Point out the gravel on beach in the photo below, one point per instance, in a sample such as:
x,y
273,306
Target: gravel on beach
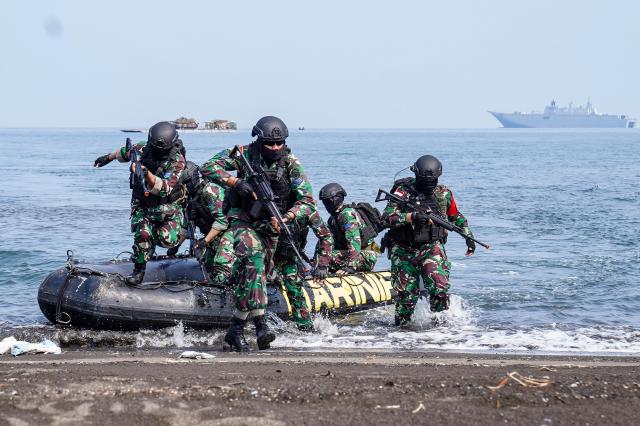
x,y
351,387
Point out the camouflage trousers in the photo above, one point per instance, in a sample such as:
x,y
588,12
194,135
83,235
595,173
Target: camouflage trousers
x,y
160,225
254,251
408,264
219,257
365,263
292,280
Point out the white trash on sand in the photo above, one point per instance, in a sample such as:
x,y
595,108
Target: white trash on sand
x,y
18,347
196,355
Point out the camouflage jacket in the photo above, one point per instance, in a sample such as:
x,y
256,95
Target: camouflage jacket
x,y
345,227
217,170
325,239
171,170
395,217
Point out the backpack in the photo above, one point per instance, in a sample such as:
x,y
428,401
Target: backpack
x,y
372,220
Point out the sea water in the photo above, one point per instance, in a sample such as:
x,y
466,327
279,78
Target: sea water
x,y
559,207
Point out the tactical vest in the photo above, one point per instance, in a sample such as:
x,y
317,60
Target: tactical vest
x,y
420,234
284,249
279,180
157,168
299,233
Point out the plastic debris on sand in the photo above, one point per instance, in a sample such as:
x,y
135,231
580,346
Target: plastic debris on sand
x,y
18,347
196,355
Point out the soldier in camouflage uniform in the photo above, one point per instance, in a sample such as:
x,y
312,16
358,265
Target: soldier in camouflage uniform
x,y
287,266
205,210
157,216
417,244
255,234
353,250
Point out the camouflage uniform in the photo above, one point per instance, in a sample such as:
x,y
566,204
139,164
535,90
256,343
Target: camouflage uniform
x,y
410,261
206,211
351,252
159,224
255,241
288,269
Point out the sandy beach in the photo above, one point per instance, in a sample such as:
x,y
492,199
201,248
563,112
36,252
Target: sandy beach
x,y
354,387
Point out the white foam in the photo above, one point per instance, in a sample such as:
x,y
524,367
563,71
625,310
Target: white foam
x,y
176,337
456,330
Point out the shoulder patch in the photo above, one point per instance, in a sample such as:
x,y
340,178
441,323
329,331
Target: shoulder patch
x,y
297,181
349,226
167,175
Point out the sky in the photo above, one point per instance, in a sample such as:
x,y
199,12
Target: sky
x,y
323,64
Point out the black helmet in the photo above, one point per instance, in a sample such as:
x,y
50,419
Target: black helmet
x,y
270,128
427,169
427,166
332,196
191,177
330,190
162,137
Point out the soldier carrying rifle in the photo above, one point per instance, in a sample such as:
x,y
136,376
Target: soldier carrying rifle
x,y
157,194
270,190
419,212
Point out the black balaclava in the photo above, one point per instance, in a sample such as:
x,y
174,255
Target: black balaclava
x,y
426,185
271,155
427,169
333,204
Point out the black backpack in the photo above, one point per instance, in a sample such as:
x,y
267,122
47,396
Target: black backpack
x,y
372,220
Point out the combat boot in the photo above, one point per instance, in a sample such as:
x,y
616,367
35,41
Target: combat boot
x,y
137,275
235,336
263,335
306,327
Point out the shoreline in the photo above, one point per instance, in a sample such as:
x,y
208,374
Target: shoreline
x,y
281,387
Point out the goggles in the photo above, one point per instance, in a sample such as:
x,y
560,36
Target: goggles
x,y
273,142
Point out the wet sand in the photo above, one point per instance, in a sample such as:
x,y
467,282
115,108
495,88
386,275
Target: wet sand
x,y
353,387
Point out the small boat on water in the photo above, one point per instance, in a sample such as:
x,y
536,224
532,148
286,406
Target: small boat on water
x,y
95,295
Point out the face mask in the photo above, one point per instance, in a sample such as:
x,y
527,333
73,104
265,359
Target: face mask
x,y
272,155
333,204
426,185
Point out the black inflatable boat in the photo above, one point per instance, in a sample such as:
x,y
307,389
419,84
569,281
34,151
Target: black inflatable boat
x,y
95,295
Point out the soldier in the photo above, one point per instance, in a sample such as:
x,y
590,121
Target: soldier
x,y
255,234
205,210
417,244
353,240
156,215
287,265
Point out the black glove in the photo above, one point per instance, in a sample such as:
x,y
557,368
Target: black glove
x,y
321,272
244,188
103,160
200,245
419,218
471,246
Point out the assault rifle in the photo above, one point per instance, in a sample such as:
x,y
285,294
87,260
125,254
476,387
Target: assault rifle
x,y
438,220
138,174
258,180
